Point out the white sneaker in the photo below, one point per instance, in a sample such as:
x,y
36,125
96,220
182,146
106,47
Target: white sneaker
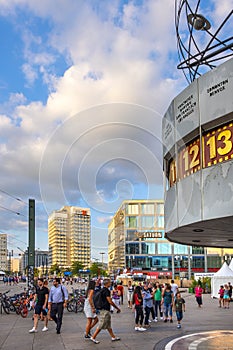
x,y
149,321
161,318
136,328
33,330
94,340
141,329
44,329
155,320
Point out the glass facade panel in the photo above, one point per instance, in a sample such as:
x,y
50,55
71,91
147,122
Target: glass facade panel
x,y
213,261
131,236
197,262
164,248
160,209
180,249
148,248
160,221
143,262
197,250
148,221
132,248
162,262
148,209
131,221
132,209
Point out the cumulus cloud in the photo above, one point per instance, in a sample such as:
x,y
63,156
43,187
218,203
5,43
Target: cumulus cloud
x,y
96,140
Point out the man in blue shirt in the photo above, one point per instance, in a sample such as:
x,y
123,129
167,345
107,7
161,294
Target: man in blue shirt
x,y
148,304
58,297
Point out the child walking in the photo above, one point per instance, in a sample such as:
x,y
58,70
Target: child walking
x,y
179,308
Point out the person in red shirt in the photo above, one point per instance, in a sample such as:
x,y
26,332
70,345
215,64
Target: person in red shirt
x,y
121,291
138,305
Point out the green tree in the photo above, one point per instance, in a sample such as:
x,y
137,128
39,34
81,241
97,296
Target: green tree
x,y
75,267
55,268
97,270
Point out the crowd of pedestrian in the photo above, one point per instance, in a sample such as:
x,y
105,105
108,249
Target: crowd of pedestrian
x,y
149,302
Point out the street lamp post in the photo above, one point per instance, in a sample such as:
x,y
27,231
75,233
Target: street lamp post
x,y
102,253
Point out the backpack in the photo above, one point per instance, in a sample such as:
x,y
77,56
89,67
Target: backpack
x,y
98,300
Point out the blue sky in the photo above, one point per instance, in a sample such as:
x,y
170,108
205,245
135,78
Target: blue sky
x,y
84,86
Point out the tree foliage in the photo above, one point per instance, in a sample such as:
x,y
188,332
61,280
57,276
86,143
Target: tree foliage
x,y
96,269
75,267
55,268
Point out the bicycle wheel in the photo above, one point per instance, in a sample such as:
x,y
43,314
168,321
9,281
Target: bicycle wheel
x,y
70,306
17,310
80,307
24,312
6,308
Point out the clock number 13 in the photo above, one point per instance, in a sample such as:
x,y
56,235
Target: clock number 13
x,y
224,137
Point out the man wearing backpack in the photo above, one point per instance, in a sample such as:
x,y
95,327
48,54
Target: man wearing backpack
x,y
105,315
58,297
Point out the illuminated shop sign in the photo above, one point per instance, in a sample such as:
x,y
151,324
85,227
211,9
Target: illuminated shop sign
x,y
217,147
149,234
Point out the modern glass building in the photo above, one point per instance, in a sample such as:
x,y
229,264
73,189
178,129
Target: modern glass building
x,y
136,242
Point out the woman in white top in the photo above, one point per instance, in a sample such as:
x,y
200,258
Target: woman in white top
x,y
89,309
130,294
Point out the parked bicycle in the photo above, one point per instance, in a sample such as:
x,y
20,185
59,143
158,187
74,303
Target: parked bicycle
x,y
76,301
5,305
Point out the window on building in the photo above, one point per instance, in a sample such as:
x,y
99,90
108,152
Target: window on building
x,y
159,209
131,221
198,262
132,209
160,221
197,250
214,261
164,248
147,221
180,249
132,248
148,208
131,235
148,248
162,262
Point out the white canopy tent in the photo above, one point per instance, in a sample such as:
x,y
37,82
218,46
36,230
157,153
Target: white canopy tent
x,y
231,264
221,277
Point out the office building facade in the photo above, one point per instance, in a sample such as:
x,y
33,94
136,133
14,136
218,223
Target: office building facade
x,y
136,242
3,252
69,231
41,261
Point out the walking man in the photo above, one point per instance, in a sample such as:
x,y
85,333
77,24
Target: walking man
x,y
58,297
40,304
105,315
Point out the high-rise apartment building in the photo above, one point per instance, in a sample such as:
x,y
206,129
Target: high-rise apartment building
x,y
3,252
136,242
69,231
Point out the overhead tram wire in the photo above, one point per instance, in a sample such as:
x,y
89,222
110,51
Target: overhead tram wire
x,y
12,211
10,195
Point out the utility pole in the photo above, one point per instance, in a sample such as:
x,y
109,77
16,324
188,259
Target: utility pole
x,y
102,253
31,243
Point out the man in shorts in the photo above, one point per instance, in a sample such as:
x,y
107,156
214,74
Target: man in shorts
x,y
40,304
105,315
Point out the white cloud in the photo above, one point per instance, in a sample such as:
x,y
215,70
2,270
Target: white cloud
x,y
97,137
